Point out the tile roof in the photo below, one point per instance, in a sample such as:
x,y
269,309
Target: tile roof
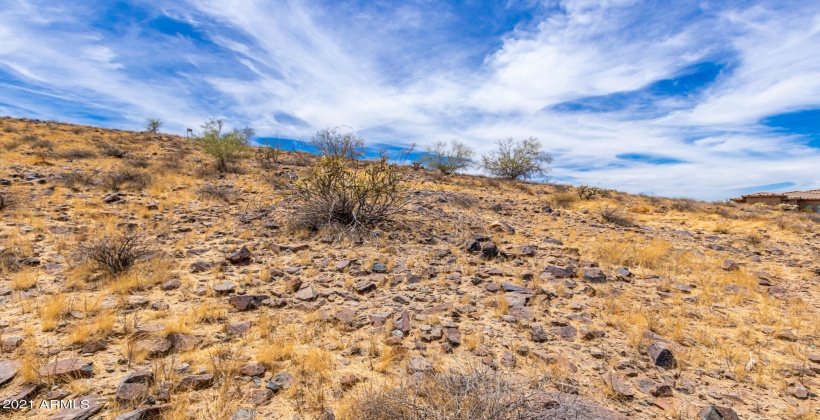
x,y
791,195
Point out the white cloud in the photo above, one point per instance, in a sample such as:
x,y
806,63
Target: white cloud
x,y
396,70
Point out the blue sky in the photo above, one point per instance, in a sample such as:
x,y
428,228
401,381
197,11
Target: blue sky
x,y
703,99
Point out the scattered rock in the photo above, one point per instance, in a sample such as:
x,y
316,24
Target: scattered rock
x,y
253,369
348,380
730,265
240,257
73,368
144,413
538,334
717,413
134,387
594,275
661,355
246,302
306,292
280,381
8,370
501,227
238,328
195,382
419,364
225,288
259,397
489,250
82,408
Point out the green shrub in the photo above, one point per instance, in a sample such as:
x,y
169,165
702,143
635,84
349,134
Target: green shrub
x,y
357,197
517,159
224,147
153,124
448,157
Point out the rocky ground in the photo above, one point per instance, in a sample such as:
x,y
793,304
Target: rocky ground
x,y
618,305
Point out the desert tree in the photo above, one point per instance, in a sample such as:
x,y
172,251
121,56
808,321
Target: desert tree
x,y
153,124
225,147
517,159
330,142
449,157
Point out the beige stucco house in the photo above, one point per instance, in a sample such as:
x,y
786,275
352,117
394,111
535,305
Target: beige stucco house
x,y
806,200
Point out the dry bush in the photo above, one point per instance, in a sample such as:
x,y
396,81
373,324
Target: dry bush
x,y
224,193
116,254
355,197
465,201
614,216
684,205
329,142
12,144
77,178
117,180
563,200
137,162
470,393
76,154
6,200
113,150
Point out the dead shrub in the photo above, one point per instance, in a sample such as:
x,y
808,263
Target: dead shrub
x,y
356,196
464,201
224,193
471,393
563,200
12,145
116,254
76,154
614,216
6,200
113,150
117,180
138,162
683,205
77,179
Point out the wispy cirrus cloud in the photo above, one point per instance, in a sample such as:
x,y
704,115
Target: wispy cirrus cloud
x,y
701,99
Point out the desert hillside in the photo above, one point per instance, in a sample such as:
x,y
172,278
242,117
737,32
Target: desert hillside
x,y
482,298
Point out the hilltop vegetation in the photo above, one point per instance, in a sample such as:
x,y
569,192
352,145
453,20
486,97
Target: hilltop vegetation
x,y
144,276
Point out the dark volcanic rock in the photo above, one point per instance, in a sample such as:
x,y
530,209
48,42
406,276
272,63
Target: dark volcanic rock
x,y
661,355
240,257
74,368
246,302
8,370
196,381
83,408
717,413
280,381
134,387
489,250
